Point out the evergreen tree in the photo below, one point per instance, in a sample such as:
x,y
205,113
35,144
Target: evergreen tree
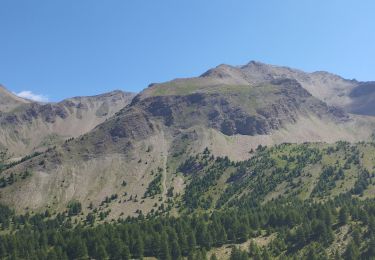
x,y
266,254
343,216
356,236
311,254
164,248
254,250
191,240
370,252
101,252
237,254
213,257
176,252
138,247
76,248
351,252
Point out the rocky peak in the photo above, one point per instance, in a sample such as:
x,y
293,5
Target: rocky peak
x,y
221,71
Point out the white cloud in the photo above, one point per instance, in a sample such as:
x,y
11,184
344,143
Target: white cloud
x,y
32,96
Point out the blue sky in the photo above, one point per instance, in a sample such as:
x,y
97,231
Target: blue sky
x,y
66,48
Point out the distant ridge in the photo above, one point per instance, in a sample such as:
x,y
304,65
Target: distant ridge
x,y
27,125
9,101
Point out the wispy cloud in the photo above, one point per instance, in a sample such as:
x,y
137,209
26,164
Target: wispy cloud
x,y
32,96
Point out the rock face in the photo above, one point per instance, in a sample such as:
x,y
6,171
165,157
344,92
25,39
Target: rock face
x,y
246,109
27,125
363,99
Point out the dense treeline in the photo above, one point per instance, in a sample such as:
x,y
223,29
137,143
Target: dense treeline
x,y
301,228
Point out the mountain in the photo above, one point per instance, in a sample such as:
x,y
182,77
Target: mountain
x,y
228,110
9,101
28,126
328,87
272,160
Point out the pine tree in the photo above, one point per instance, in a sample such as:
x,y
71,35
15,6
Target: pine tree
x,y
370,252
300,237
191,241
138,247
164,248
356,234
242,233
76,248
343,216
311,254
101,252
254,249
201,255
352,251
52,255
221,236
191,255
266,254
125,253
176,252
237,254
90,218
213,257
184,246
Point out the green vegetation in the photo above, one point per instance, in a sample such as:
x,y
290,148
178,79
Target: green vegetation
x,y
303,229
4,166
154,187
175,88
74,207
312,201
308,171
109,199
13,177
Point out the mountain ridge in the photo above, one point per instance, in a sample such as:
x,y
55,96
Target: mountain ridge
x,y
9,101
168,122
31,125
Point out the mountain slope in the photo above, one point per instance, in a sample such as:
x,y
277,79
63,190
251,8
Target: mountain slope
x,y
187,158
330,88
350,95
29,126
315,171
143,145
9,101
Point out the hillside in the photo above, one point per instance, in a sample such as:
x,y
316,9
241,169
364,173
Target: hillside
x,y
9,101
162,127
287,201
28,126
314,171
271,160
